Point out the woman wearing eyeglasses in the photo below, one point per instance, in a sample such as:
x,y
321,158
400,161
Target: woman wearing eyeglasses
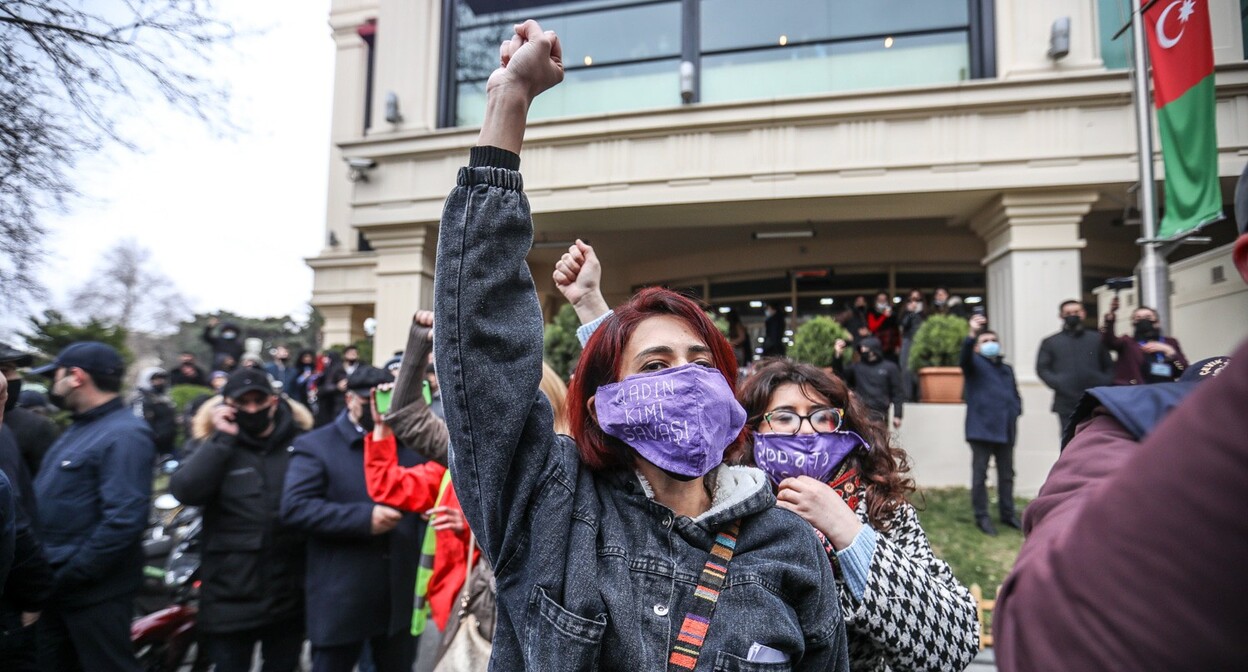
x,y
832,464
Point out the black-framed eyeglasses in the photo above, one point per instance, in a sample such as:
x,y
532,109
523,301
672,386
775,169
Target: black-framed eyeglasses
x,y
823,421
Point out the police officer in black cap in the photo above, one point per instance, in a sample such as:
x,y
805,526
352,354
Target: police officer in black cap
x,y
94,492
252,569
362,556
33,432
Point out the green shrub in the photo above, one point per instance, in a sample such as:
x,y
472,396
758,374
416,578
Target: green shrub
x,y
183,395
560,346
938,342
815,342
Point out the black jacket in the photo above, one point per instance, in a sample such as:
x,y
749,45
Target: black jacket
x,y
223,346
160,413
877,384
1072,362
176,377
95,494
359,585
30,578
34,434
252,568
773,335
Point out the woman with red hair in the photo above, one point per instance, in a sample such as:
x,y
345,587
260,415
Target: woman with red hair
x,y
629,545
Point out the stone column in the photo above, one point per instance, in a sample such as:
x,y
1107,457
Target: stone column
x,y
1033,264
338,328
405,261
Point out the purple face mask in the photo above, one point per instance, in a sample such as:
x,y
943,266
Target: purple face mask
x,y
679,419
814,455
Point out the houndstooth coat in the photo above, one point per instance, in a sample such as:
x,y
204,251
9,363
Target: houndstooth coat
x,y
914,615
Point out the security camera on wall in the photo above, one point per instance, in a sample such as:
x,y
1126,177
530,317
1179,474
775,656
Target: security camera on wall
x,y
359,168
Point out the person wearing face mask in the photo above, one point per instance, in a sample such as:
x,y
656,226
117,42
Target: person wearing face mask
x,y
33,432
914,316
94,494
331,386
630,544
882,324
253,566
188,372
282,369
1072,361
151,403
226,344
875,380
362,556
992,409
833,464
1145,356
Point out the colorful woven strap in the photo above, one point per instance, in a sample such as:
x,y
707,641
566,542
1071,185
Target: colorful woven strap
x,y
693,629
424,572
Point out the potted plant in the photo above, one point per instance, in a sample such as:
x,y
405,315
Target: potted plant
x,y
934,354
815,342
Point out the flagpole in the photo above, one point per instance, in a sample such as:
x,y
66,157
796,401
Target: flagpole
x,y
1153,274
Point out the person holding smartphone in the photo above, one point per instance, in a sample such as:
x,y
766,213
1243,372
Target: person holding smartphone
x,y
992,409
362,555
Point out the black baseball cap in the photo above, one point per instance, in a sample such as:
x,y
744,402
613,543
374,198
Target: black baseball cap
x,y
90,356
247,380
1205,368
17,357
365,378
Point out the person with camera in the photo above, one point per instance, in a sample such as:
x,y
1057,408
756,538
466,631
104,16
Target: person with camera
x,y
362,556
1145,356
253,566
992,409
94,494
1072,361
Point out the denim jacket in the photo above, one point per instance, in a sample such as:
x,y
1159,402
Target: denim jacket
x,y
592,573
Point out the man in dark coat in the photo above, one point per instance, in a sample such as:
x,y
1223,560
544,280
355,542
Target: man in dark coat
x,y
992,409
94,494
1072,361
252,569
151,402
875,380
33,432
362,557
29,579
773,331
188,372
227,344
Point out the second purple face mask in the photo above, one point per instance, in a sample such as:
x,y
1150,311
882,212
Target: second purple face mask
x,y
679,419
815,455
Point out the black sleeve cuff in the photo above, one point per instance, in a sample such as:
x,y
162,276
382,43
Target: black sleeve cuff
x,y
493,157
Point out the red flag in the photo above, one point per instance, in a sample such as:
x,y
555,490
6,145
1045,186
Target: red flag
x,y
1180,45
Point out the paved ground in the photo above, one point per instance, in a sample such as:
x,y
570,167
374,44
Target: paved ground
x,y
984,662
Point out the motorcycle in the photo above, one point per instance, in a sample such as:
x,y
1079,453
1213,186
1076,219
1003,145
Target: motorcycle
x,y
165,639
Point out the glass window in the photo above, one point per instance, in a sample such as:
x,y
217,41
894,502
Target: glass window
x,y
618,56
1112,15
737,24
837,66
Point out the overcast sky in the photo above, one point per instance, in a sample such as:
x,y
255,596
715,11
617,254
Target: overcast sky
x,y
229,221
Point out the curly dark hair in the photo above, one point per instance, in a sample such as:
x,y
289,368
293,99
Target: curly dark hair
x,y
884,468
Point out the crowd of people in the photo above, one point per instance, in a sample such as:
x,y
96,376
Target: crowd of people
x,y
661,511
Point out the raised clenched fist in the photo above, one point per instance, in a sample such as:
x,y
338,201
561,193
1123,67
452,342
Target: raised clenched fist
x,y
530,62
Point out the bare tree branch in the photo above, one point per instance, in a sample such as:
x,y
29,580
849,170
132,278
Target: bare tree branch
x,y
64,67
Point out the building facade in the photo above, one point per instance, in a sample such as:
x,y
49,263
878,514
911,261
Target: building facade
x,y
794,151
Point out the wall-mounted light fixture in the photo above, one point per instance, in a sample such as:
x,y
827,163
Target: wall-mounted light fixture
x,y
778,235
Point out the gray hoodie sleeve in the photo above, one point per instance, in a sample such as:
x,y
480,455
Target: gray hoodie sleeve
x,y
488,344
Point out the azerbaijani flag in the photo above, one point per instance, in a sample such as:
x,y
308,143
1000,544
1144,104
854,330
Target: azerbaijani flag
x,y
1180,45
